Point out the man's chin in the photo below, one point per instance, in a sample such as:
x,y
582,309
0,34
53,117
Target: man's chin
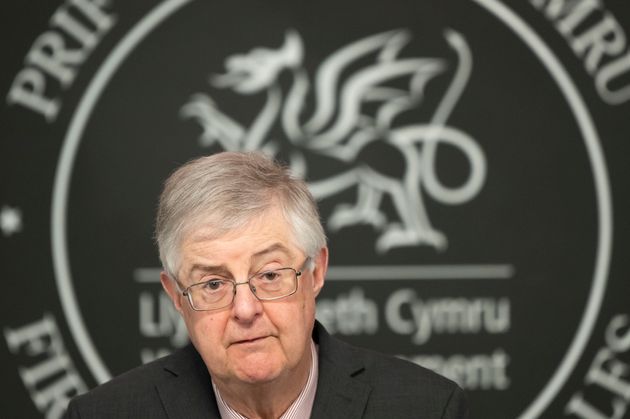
x,y
256,374
255,364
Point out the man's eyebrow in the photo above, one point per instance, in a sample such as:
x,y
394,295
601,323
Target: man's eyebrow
x,y
210,269
276,247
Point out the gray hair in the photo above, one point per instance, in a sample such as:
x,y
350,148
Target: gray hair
x,y
227,190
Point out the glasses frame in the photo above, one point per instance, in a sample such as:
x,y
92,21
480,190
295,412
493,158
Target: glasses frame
x,y
297,273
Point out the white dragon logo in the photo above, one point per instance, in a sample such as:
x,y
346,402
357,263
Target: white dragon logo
x,y
340,127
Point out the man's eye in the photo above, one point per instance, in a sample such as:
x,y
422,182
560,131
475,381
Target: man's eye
x,y
213,285
270,276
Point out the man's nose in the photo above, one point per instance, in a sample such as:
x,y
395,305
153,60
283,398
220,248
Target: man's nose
x,y
246,306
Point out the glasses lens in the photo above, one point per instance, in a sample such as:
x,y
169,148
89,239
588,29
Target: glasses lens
x,y
274,284
208,295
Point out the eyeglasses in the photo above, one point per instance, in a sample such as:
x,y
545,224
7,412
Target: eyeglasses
x,y
217,293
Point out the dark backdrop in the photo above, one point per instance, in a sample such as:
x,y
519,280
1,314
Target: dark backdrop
x,y
470,160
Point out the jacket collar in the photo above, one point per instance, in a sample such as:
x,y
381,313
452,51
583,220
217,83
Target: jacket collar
x,y
339,392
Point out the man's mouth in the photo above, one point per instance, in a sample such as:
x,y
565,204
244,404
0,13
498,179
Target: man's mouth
x,y
249,341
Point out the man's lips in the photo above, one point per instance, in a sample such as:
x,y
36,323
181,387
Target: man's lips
x,y
249,340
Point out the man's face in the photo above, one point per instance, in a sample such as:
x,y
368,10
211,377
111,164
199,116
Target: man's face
x,y
250,341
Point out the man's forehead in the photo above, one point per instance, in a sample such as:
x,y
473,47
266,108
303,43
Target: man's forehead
x,y
208,227
210,243
253,254
254,257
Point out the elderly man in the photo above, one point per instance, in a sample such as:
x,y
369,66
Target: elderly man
x,y
244,256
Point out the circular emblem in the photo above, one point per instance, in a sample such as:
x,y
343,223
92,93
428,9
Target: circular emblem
x,y
459,174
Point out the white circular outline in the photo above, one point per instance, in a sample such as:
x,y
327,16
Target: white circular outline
x,y
515,23
602,188
69,149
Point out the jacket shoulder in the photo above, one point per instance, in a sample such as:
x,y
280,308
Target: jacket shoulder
x,y
133,394
396,387
394,373
402,387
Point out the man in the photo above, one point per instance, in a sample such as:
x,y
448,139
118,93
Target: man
x,y
244,256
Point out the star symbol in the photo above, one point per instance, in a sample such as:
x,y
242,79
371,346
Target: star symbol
x,y
10,221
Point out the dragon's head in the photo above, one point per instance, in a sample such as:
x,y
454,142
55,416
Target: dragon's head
x,y
259,69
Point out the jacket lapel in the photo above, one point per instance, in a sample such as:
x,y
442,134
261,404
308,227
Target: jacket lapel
x,y
186,389
339,394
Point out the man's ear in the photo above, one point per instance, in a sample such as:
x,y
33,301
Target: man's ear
x,y
319,272
170,287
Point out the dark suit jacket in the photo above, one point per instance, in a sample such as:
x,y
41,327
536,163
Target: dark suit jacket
x,y
353,383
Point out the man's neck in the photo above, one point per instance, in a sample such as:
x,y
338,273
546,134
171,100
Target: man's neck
x,y
266,400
